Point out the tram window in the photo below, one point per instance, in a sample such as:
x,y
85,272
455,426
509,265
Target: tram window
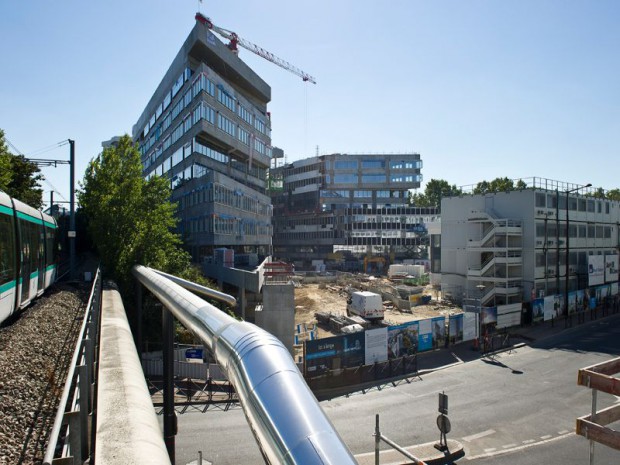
x,y
7,250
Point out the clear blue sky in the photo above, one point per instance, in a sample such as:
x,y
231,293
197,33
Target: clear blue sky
x,y
481,89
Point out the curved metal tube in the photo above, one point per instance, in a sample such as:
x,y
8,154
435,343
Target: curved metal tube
x,y
287,422
190,286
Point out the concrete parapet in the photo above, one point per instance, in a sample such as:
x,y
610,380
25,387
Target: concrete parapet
x,y
127,428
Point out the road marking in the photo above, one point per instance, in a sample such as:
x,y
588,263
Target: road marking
x,y
525,446
509,446
564,431
492,449
479,435
529,441
546,436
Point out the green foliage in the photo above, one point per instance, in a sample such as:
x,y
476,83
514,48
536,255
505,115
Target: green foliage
x,y
434,191
130,220
499,185
614,194
18,177
5,164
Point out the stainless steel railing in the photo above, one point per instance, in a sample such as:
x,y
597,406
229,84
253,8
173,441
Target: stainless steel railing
x,y
76,403
287,422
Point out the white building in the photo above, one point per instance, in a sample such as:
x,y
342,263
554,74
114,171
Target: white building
x,y
509,247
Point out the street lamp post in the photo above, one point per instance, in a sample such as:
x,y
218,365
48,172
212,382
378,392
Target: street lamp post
x,y
480,288
566,269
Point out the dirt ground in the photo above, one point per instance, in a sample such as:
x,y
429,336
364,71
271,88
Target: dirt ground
x,y
312,298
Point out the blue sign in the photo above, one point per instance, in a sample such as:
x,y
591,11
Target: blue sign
x,y
193,353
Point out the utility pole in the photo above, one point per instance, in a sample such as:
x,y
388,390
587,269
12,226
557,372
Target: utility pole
x,y
72,209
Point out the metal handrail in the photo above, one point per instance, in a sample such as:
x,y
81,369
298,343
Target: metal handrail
x,y
206,291
269,385
83,356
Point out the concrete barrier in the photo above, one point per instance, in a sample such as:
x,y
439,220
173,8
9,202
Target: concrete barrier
x,y
127,428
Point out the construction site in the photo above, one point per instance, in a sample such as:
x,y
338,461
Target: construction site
x,y
321,303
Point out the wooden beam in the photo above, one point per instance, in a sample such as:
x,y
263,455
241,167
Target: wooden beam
x,y
604,417
598,381
609,367
598,433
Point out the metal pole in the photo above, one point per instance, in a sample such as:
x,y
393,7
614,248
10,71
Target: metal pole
x,y
557,241
567,317
377,439
594,391
72,208
138,321
169,415
51,203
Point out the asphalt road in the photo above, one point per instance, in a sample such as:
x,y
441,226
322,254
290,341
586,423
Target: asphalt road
x,y
517,408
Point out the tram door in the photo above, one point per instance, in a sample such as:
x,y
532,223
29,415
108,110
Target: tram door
x,y
25,268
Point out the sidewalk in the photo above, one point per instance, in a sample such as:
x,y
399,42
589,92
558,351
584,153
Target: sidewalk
x,y
465,352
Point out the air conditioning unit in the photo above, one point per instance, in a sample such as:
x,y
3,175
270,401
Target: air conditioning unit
x,y
550,271
541,212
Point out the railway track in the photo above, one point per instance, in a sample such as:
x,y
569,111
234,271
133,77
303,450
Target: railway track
x,y
35,351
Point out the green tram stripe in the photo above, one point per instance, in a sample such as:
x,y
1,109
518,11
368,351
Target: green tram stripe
x,y
7,286
32,219
24,216
50,268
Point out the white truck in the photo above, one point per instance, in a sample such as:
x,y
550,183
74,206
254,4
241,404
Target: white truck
x,y
368,305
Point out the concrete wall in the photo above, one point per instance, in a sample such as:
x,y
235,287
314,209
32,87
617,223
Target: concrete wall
x,y
127,428
278,312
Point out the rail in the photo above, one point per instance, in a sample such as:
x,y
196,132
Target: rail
x,y
264,375
69,441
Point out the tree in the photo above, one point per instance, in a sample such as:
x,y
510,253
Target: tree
x,y
614,194
130,220
434,191
498,185
18,177
5,164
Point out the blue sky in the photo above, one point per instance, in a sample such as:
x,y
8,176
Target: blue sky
x,y
481,89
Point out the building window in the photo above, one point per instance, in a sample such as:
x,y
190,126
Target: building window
x,y
225,99
225,124
405,178
374,178
167,121
373,164
244,114
244,136
345,165
259,125
259,146
177,133
345,179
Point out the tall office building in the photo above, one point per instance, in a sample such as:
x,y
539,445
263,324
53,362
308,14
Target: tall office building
x,y
207,129
331,206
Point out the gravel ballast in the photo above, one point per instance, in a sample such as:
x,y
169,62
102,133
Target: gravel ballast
x,y
35,351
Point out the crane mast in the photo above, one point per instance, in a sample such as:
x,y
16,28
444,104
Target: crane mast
x,y
235,41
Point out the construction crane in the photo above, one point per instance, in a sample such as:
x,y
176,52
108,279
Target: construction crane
x,y
235,40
